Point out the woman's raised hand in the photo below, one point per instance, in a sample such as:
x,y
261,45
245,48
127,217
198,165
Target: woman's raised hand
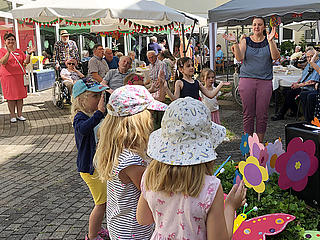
x,y
31,50
271,35
230,37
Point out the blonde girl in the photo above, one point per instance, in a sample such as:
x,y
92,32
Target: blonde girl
x,y
120,157
179,193
186,86
208,78
87,111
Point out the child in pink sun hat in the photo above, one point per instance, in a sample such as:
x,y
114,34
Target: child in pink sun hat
x,y
120,157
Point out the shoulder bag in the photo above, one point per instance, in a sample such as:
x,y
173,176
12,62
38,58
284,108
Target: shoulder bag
x,y
26,80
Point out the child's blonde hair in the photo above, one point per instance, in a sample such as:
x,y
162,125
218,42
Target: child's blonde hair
x,y
187,180
204,75
117,134
79,105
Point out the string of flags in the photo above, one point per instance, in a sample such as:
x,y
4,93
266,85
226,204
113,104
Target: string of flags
x,y
124,21
60,20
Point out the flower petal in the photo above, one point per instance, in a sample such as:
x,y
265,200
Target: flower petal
x,y
300,185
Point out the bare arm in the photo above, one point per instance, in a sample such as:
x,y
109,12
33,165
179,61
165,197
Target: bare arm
x,y
79,73
239,48
5,58
213,93
216,221
275,54
144,215
313,61
177,89
135,172
96,76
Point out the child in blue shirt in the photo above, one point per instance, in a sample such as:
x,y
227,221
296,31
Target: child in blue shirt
x,y
87,111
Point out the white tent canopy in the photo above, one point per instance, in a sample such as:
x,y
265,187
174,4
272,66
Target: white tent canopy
x,y
238,12
302,26
143,12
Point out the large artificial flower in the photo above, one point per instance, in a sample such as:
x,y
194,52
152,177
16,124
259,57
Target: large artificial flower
x,y
297,164
274,151
244,146
254,140
253,174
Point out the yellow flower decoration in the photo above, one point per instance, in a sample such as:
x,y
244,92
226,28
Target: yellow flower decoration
x,y
253,174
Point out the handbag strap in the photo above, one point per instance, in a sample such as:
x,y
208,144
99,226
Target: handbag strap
x,y
19,63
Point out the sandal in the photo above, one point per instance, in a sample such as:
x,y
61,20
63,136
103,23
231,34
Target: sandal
x,y
104,233
97,238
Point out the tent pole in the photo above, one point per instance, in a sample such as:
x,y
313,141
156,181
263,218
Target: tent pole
x,y
227,55
212,42
194,24
318,28
183,41
201,47
140,46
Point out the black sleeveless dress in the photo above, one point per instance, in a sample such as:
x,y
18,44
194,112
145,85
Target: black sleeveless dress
x,y
190,89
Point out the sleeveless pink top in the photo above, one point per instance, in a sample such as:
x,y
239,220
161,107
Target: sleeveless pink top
x,y
181,217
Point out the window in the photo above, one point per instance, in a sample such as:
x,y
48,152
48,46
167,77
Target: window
x,y
310,34
287,34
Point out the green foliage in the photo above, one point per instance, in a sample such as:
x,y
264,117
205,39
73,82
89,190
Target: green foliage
x,y
275,200
287,48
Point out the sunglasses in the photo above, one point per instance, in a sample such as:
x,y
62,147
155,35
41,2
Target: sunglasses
x,y
71,64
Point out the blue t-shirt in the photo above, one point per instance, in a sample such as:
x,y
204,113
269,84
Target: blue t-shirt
x,y
257,62
219,54
85,140
114,64
314,75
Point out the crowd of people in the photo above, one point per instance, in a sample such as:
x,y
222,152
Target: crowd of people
x,y
128,167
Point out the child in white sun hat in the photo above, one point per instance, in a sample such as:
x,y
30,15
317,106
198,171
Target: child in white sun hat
x,y
179,193
123,139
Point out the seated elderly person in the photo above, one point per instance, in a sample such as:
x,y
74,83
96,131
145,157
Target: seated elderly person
x,y
310,99
70,74
114,78
303,88
296,56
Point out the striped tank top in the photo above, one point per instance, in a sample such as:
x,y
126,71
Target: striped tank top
x,y
122,203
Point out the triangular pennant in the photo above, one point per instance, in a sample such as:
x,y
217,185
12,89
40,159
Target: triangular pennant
x,y
94,21
60,20
125,21
166,27
120,20
98,20
84,24
130,23
80,24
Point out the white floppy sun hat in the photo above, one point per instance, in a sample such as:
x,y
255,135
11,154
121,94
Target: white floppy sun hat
x,y
187,135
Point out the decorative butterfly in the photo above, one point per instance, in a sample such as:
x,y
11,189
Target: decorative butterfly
x,y
257,228
312,235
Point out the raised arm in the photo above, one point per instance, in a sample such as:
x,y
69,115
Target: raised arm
x,y
213,93
275,54
239,48
177,89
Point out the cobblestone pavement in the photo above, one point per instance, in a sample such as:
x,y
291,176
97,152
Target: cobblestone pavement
x,y
42,195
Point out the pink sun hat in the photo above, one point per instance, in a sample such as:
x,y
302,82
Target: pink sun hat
x,y
132,99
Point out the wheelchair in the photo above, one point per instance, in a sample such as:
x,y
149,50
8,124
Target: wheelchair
x,y
60,92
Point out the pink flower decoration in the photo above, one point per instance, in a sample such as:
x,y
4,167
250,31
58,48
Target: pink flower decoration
x,y
254,139
263,157
297,164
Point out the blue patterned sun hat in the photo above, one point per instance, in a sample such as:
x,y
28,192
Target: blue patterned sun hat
x,y
187,135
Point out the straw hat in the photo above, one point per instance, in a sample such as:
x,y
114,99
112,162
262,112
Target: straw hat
x,y
187,135
64,33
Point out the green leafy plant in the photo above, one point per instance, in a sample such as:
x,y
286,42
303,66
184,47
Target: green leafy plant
x,y
275,200
287,48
